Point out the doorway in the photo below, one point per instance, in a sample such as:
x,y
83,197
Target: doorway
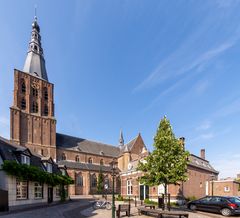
x,y
144,192
50,194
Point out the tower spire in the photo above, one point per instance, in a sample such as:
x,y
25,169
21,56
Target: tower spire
x,y
35,63
121,140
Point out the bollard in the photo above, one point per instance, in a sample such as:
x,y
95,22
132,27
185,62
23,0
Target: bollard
x,y
135,201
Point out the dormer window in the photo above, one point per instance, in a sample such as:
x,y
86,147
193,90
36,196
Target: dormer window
x,y
63,172
25,159
49,167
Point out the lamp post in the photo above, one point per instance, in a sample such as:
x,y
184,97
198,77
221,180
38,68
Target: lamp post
x,y
212,179
114,167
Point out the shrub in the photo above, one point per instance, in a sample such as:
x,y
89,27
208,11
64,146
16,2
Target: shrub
x,y
119,198
191,198
147,201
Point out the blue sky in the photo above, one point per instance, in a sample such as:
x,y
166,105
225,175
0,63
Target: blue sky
x,y
125,64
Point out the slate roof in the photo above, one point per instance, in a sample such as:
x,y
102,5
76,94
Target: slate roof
x,y
85,166
87,146
196,161
11,151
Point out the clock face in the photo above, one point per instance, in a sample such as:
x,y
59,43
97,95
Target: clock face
x,y
129,166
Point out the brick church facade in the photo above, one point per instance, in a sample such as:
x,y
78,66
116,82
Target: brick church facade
x,y
33,125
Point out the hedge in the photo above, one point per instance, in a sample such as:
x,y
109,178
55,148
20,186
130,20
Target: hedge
x,y
32,173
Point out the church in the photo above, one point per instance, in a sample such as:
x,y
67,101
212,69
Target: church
x,y
33,126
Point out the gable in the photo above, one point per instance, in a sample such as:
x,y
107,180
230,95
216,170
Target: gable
x,y
137,146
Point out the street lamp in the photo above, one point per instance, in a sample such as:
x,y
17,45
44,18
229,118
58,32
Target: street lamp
x,y
114,168
212,179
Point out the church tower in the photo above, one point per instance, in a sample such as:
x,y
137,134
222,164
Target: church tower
x,y
32,114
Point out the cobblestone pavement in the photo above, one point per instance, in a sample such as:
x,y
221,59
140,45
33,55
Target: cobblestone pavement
x,y
100,213
83,209
69,210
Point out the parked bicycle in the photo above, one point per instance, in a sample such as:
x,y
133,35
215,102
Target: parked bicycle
x,y
102,205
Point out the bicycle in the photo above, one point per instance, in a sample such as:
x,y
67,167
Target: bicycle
x,y
102,205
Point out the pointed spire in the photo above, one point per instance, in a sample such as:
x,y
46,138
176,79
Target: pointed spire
x,y
35,63
121,140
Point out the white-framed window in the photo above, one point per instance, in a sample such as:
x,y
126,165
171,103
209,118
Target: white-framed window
x,y
63,172
49,167
129,187
226,189
38,190
25,159
21,189
57,191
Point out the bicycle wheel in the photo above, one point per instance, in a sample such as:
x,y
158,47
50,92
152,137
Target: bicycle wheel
x,y
95,206
108,206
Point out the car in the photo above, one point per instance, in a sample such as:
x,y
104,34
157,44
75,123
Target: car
x,y
227,206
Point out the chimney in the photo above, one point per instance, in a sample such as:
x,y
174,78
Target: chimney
x,y
202,155
182,142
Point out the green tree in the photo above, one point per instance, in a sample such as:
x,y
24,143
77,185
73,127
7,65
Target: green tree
x,y
167,164
100,182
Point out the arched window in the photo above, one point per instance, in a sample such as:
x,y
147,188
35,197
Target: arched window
x,y
93,181
23,104
101,162
45,110
90,160
35,48
64,156
35,107
34,92
45,94
79,179
23,87
77,159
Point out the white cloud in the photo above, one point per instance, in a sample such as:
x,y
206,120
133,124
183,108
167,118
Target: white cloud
x,y
205,125
207,136
229,109
170,67
228,164
201,87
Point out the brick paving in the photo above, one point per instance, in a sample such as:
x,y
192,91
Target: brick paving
x,y
70,210
83,209
100,213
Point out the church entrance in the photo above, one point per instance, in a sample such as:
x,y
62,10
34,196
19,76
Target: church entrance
x,y
144,192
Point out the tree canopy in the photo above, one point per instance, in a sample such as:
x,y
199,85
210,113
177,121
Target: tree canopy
x,y
167,164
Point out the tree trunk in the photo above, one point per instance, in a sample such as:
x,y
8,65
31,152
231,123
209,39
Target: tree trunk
x,y
165,197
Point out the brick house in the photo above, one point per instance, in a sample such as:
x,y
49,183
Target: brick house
x,y
225,187
33,126
200,174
